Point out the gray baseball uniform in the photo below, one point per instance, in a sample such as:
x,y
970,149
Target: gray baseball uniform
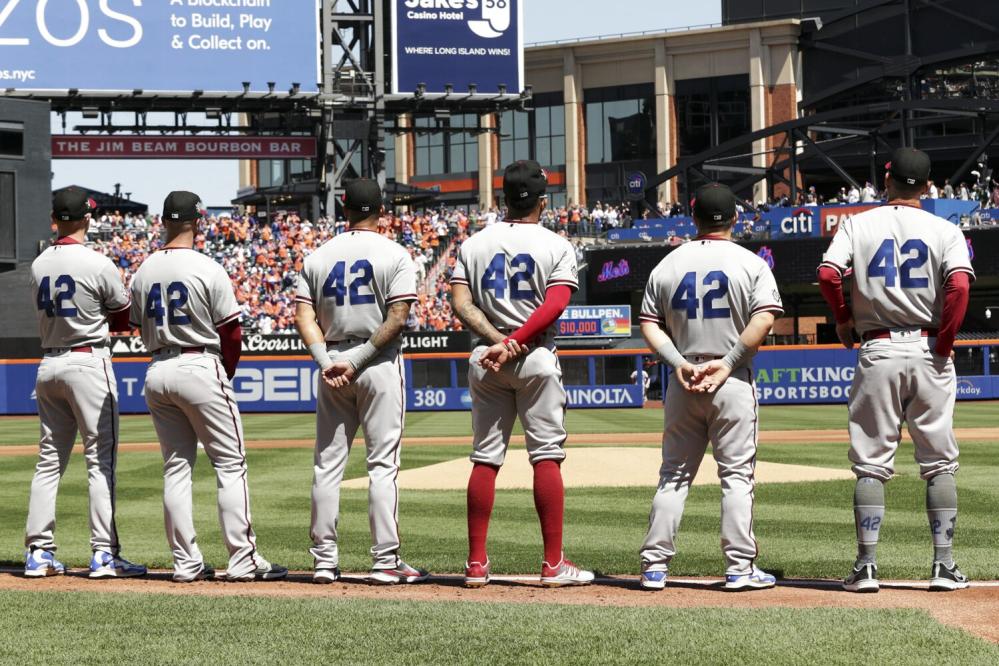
x,y
350,281
508,267
704,294
901,257
75,290
179,298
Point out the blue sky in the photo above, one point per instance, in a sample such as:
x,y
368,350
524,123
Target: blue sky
x,y
217,181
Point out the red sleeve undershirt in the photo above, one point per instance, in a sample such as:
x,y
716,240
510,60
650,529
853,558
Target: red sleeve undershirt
x,y
831,286
231,336
556,299
956,293
118,321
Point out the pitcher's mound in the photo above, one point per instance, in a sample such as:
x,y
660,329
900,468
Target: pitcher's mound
x,y
589,467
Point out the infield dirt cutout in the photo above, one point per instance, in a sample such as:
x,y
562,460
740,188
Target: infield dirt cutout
x,y
975,610
610,466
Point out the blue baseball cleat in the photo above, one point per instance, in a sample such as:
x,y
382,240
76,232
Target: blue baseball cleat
x,y
755,580
653,580
106,565
39,563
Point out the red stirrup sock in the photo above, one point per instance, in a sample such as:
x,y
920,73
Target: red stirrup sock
x,y
481,493
549,500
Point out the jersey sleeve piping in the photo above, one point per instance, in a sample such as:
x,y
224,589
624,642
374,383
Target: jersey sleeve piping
x,y
228,319
961,269
651,318
122,308
768,308
463,281
401,297
304,299
836,267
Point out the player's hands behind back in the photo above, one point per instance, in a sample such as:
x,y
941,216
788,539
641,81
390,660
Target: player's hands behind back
x,y
710,376
495,356
844,332
339,374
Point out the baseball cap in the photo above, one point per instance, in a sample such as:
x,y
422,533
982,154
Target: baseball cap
x,y
362,195
909,166
72,203
183,206
714,203
524,182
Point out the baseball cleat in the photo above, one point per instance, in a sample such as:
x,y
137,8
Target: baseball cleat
x,y
264,571
206,573
400,573
947,579
653,579
106,565
476,574
326,576
39,563
864,578
757,579
564,573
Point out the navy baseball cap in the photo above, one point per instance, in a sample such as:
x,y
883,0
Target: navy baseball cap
x,y
183,206
362,195
72,204
524,182
909,166
714,203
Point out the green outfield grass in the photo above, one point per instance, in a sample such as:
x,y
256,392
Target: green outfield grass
x,y
443,424
804,529
201,630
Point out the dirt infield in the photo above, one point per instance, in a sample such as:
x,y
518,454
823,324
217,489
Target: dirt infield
x,y
631,438
975,610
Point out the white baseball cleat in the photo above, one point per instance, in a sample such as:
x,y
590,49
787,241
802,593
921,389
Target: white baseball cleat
x,y
564,573
653,579
39,563
106,565
757,579
326,576
400,573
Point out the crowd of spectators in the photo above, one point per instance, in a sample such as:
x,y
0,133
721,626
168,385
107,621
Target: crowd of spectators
x,y
264,257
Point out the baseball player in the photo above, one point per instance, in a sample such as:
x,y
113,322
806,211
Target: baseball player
x,y
511,283
707,308
908,297
184,304
78,292
353,300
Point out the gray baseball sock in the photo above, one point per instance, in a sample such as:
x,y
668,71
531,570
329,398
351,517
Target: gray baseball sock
x,y
941,508
868,512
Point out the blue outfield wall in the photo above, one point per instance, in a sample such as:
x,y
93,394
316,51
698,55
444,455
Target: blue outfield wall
x,y
783,376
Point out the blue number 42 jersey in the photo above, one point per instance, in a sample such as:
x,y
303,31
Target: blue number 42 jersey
x,y
900,257
705,292
509,266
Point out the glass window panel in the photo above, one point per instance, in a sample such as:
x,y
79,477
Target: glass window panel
x,y
542,121
423,162
472,156
436,160
543,151
558,119
457,158
558,150
522,149
594,133
277,172
520,124
506,151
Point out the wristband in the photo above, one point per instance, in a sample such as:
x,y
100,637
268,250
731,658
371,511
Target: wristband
x,y
740,355
670,355
320,355
359,357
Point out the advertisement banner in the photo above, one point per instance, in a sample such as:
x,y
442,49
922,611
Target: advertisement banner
x,y
441,43
79,147
598,321
160,45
